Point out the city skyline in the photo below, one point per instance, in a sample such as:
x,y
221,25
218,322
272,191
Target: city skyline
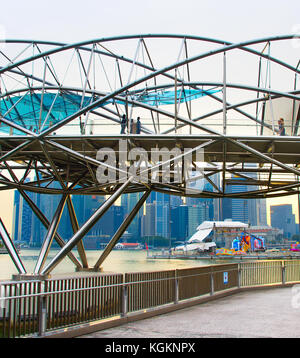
x,y
163,216
7,197
6,211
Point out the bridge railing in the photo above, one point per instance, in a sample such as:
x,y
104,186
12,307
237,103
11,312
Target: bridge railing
x,y
36,308
269,272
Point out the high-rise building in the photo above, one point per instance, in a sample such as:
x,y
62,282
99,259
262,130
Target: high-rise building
x,y
253,204
16,209
251,211
148,221
262,212
38,230
180,222
162,224
282,217
128,202
22,220
175,201
104,229
157,221
196,215
48,205
239,207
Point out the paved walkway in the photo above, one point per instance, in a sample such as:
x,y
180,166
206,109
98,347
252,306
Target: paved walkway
x,y
253,314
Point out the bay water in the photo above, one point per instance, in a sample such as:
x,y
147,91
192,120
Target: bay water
x,y
118,261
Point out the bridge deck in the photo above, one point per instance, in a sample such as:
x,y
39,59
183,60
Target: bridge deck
x,y
267,313
73,159
283,149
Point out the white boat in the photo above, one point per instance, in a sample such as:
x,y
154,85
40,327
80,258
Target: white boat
x,y
202,242
128,246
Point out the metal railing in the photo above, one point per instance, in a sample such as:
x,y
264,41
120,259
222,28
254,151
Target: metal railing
x,y
26,309
35,307
269,272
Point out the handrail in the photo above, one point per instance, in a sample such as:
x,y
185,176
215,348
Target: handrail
x,y
54,303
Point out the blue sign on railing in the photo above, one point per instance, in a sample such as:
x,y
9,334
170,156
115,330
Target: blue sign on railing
x,y
225,277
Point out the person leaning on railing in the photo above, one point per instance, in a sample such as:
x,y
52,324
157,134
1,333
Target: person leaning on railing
x,y
281,127
138,126
123,124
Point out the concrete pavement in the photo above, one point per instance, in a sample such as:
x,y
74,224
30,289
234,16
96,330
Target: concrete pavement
x,y
273,313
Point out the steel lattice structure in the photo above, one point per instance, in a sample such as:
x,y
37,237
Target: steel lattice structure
x,y
60,104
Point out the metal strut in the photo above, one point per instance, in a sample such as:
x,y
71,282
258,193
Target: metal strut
x,y
85,228
46,223
75,226
50,235
13,253
121,230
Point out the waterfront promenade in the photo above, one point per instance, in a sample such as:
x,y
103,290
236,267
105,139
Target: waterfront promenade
x,y
264,313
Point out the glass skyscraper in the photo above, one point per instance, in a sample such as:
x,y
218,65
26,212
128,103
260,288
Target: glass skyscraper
x,y
282,217
22,219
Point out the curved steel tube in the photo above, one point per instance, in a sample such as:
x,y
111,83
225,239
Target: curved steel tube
x,y
80,45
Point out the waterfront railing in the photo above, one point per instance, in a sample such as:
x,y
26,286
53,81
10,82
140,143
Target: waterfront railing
x,y
38,308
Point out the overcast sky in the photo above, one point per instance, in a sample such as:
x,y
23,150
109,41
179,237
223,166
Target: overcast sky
x,y
74,21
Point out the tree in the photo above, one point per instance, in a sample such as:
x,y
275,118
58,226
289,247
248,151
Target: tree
x,y
156,241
